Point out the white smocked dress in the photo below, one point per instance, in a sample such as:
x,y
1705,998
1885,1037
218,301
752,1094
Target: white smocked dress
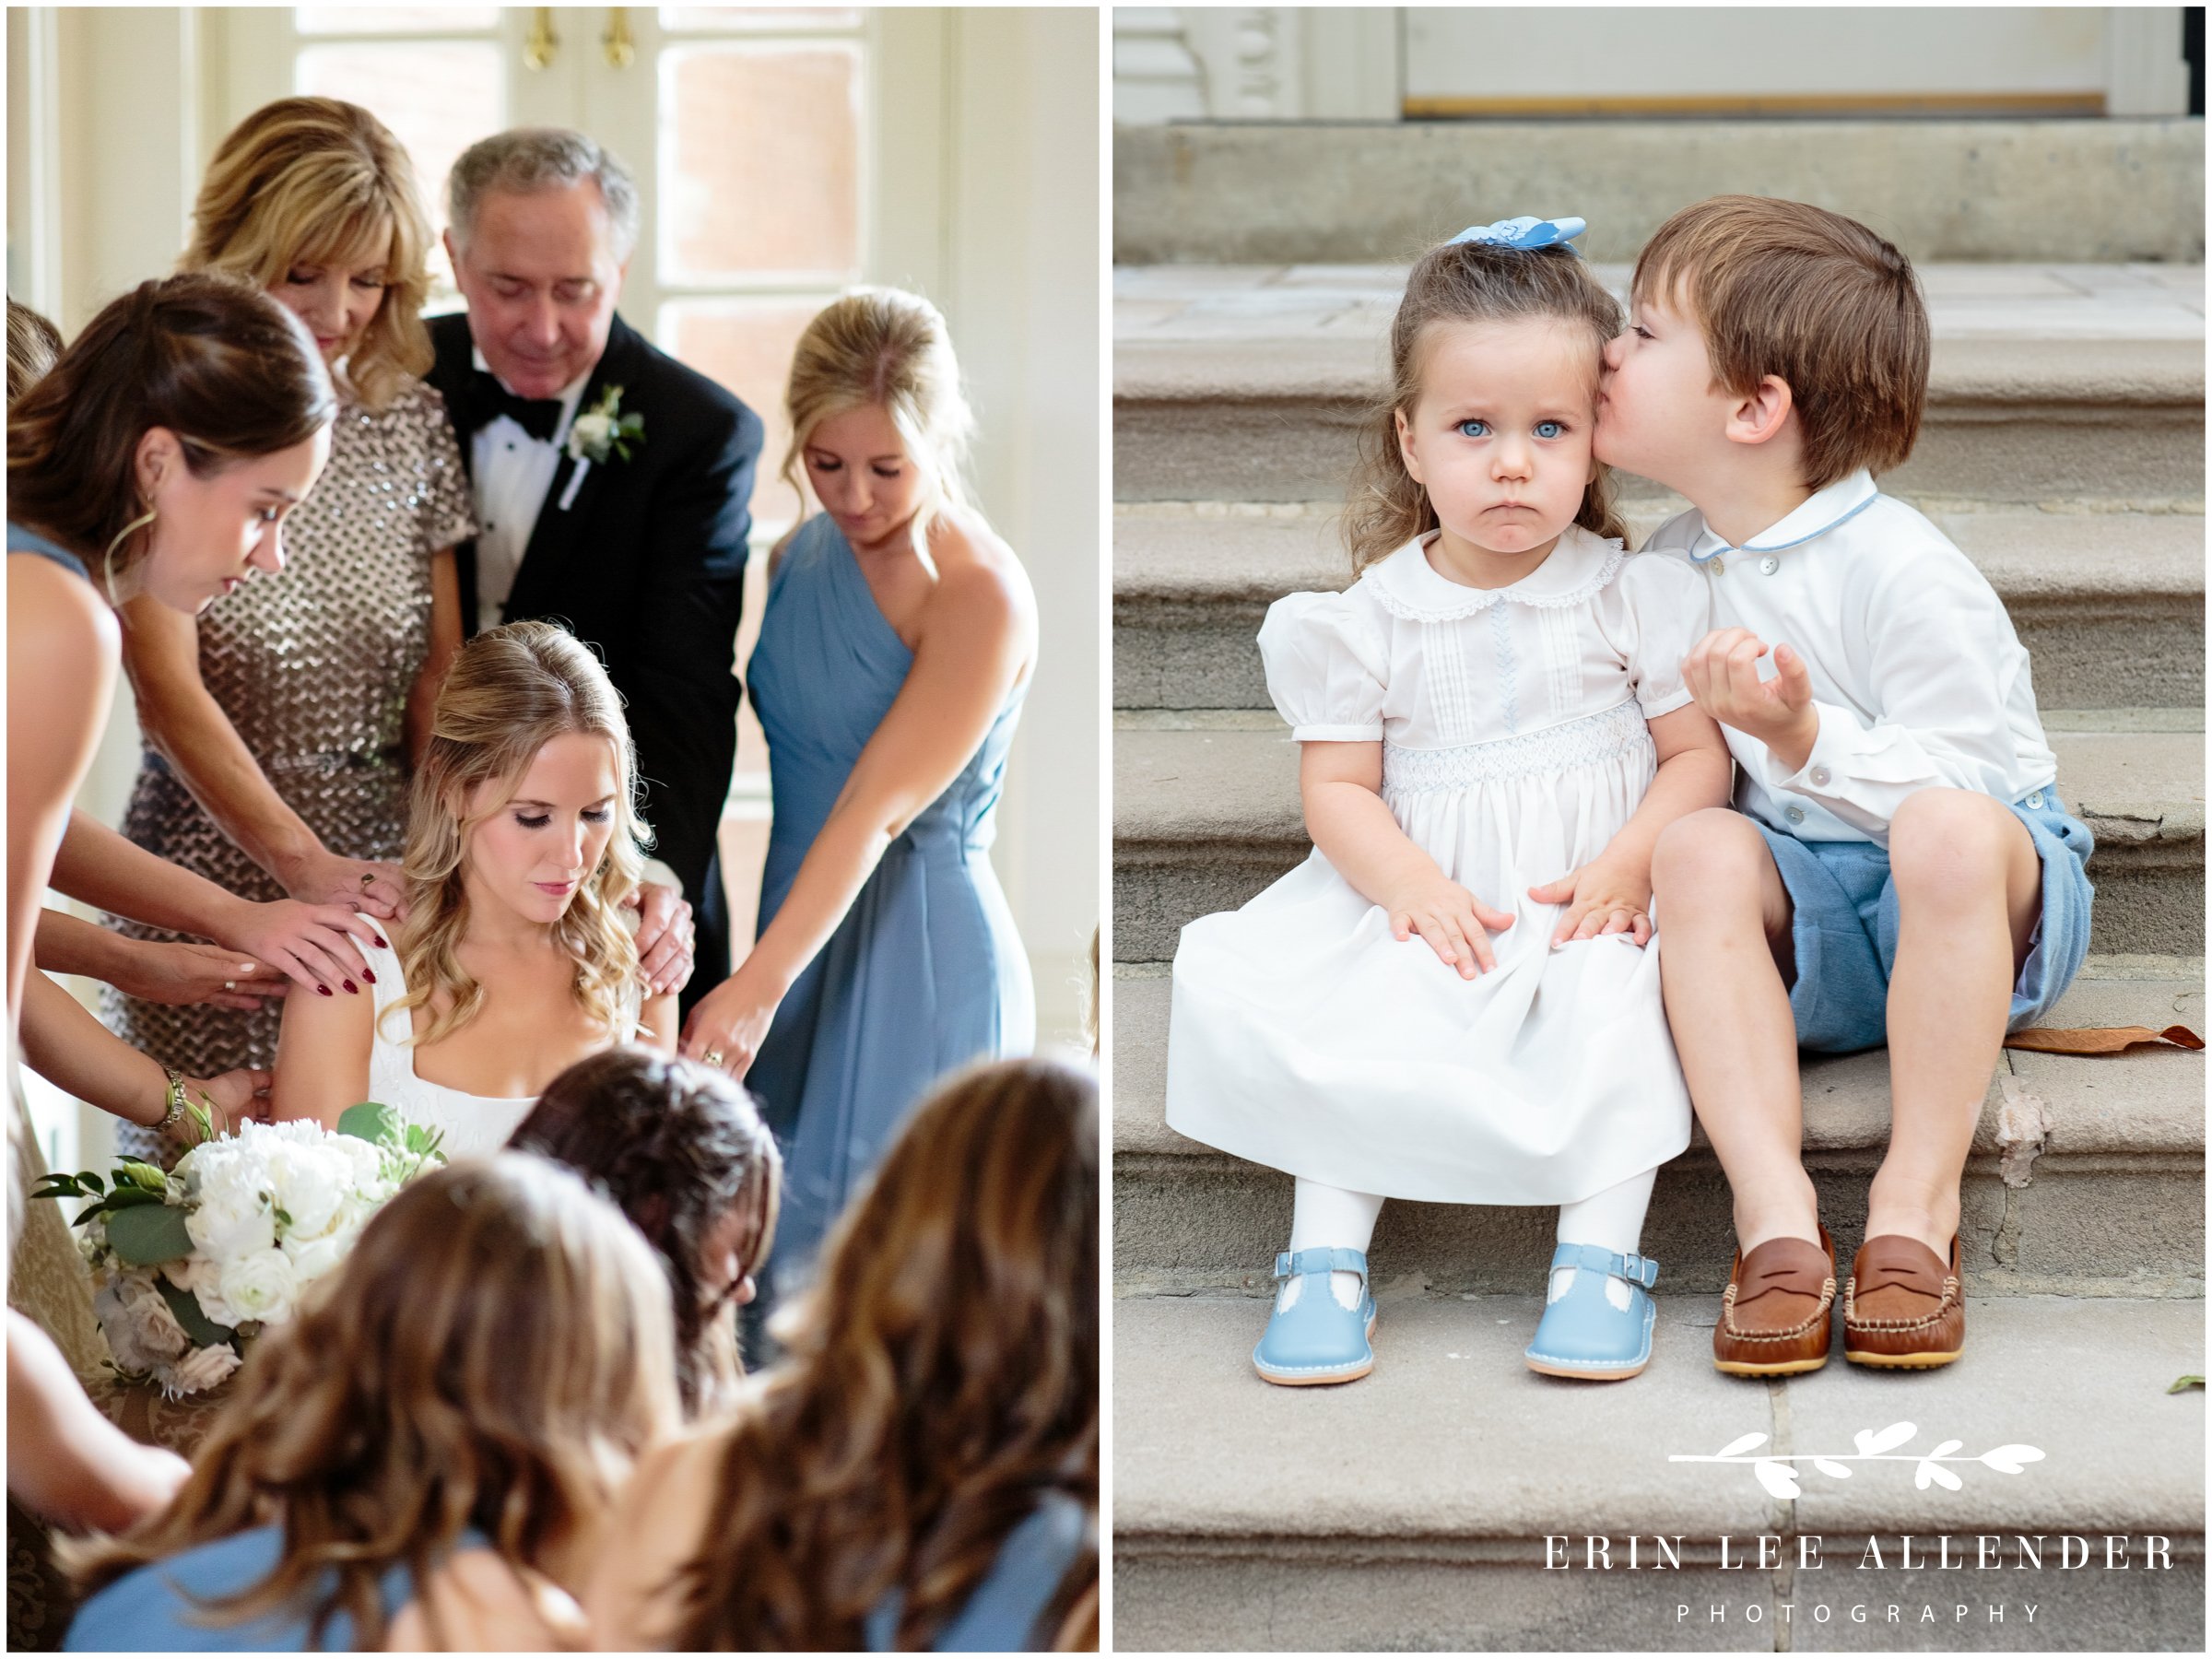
x,y
1307,1038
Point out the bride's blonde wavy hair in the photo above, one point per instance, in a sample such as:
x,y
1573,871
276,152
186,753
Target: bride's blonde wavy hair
x,y
888,347
493,1354
512,691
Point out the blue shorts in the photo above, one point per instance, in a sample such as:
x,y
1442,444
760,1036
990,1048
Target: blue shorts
x,y
1843,925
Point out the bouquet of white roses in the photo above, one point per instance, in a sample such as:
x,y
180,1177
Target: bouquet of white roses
x,y
188,1266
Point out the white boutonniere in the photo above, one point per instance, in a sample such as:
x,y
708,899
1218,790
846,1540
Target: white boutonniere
x,y
600,431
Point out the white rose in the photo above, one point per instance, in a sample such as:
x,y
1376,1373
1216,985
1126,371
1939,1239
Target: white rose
x,y
227,1223
141,1330
590,432
312,1258
201,1369
312,1185
260,1285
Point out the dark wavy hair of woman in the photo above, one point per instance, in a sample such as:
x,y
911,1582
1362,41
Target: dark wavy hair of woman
x,y
940,1380
680,1149
493,1354
206,356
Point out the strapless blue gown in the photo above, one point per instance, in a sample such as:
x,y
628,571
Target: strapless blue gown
x,y
927,971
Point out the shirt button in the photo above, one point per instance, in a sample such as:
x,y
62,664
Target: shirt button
x,y
2036,799
1718,567
1769,565
1820,776
1795,815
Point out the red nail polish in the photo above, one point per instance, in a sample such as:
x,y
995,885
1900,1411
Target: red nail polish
x,y
382,945
368,974
322,990
352,989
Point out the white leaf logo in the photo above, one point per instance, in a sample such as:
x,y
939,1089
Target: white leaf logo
x,y
1872,1445
1947,1449
1779,1478
1933,1472
1737,1448
2009,1459
1829,1465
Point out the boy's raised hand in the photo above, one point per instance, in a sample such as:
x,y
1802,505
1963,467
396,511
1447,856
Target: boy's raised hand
x,y
1601,897
1722,672
1452,921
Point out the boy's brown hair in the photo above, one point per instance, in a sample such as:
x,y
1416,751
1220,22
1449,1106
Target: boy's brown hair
x,y
1783,288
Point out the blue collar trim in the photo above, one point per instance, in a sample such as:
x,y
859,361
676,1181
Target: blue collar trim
x,y
1784,546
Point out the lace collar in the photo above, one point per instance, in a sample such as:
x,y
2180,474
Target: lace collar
x,y
1815,516
1578,569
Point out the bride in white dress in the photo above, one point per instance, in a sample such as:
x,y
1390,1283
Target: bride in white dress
x,y
515,957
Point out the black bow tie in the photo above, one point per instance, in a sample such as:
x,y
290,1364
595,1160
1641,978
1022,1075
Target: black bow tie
x,y
539,417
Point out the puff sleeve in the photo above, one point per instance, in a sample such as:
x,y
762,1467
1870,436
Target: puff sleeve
x,y
1326,668
1654,611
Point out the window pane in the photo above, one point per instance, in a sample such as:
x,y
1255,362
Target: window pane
x,y
746,345
393,19
759,163
438,97
738,19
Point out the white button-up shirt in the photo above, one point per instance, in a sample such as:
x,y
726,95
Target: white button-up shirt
x,y
1917,675
513,472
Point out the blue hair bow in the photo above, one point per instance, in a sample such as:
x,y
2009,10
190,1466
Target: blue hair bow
x,y
1525,233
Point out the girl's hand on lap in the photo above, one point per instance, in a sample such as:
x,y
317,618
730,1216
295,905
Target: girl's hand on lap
x,y
1602,896
1452,921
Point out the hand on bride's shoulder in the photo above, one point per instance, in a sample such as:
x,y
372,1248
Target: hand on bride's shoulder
x,y
484,1606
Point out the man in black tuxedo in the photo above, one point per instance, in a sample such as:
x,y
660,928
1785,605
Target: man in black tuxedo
x,y
611,485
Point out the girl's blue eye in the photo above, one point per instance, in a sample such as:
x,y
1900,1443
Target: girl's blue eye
x,y
1474,428
1550,428
268,516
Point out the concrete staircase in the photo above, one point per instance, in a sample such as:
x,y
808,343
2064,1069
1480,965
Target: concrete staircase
x,y
2063,452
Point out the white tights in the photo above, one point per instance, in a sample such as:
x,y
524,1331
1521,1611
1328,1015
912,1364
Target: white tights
x,y
1327,1217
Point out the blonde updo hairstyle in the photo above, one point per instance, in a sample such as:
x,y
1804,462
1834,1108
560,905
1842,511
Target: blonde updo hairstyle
x,y
891,349
1467,282
510,691
312,180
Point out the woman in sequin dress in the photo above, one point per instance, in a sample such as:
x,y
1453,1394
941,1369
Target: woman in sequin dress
x,y
279,723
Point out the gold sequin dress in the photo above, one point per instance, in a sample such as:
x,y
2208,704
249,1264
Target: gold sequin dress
x,y
312,666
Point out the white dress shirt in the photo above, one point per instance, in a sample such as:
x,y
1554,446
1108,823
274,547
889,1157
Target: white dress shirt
x,y
1917,675
513,473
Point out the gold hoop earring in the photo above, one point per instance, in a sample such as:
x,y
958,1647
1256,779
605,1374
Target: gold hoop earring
x,y
122,536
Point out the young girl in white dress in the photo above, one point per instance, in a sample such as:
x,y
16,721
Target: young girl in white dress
x,y
1457,998
514,958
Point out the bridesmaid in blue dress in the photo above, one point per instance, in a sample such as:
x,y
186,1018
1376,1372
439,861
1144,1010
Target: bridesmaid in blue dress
x,y
898,639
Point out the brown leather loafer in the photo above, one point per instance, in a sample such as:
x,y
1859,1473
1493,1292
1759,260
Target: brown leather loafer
x,y
1902,1307
1774,1314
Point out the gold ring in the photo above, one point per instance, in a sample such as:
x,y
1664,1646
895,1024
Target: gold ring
x,y
368,878
713,1057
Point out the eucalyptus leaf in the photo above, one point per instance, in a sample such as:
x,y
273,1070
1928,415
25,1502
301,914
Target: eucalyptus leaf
x,y
371,1121
204,1331
146,1234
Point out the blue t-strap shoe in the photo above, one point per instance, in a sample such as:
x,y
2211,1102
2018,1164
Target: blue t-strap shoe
x,y
1320,1339
1583,1334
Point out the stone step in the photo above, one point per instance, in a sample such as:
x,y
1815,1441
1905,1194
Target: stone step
x,y
1251,192
2099,1190
1412,1510
1205,814
2046,383
2109,606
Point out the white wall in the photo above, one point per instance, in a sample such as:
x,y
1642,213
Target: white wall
x,y
1333,63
